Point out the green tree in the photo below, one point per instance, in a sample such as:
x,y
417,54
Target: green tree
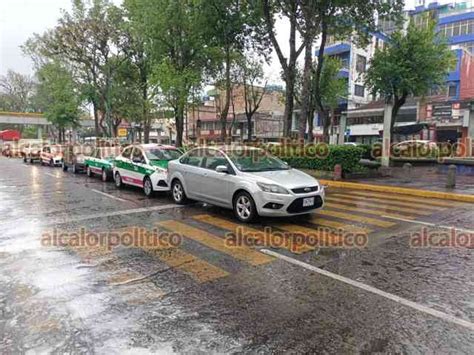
x,y
88,40
58,96
332,89
411,64
135,43
250,75
16,92
231,27
177,48
291,9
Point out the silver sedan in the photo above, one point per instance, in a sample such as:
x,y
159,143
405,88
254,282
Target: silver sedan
x,y
248,180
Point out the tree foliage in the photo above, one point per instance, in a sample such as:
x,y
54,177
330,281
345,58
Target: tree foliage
x,y
176,46
87,39
58,97
17,92
412,64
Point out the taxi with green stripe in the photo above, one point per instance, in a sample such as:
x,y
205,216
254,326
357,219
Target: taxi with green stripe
x,y
101,162
145,166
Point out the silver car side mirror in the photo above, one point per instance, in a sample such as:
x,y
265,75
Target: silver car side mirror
x,y
222,169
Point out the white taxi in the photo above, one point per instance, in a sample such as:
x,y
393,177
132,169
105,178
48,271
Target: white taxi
x,y
145,166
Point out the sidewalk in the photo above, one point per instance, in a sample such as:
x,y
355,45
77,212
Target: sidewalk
x,y
426,182
425,178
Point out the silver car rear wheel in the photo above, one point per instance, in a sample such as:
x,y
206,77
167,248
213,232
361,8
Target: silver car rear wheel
x,y
177,190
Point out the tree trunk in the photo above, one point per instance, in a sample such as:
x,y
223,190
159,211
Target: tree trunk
x,y
317,81
325,119
228,89
249,127
397,104
311,125
96,118
146,118
179,118
288,65
289,103
233,120
306,95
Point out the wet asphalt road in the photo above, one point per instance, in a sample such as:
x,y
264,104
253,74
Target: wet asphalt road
x,y
206,297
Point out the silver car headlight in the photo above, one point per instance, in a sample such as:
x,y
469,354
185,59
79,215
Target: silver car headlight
x,y
276,189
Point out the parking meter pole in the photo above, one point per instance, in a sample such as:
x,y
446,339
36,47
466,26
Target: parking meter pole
x,y
451,180
407,172
337,172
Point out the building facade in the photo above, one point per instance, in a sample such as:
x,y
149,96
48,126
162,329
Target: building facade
x,y
204,121
455,22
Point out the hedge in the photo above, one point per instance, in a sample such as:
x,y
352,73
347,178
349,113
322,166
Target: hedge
x,y
347,156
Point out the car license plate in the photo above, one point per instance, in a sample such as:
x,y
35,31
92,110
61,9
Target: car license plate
x,y
308,202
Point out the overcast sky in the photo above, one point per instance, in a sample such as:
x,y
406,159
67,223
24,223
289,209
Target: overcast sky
x,y
19,19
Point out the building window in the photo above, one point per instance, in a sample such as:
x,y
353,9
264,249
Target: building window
x,y
359,90
465,27
361,63
452,90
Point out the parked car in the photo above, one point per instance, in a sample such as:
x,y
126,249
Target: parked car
x,y
248,180
31,152
73,159
7,150
415,148
51,155
145,166
101,162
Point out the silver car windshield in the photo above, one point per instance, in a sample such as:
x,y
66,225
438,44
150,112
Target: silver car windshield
x,y
255,160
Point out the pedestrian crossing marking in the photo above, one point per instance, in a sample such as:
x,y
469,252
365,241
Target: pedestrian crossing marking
x,y
198,269
356,218
110,263
338,225
326,239
388,202
377,205
178,259
423,201
365,210
253,233
243,253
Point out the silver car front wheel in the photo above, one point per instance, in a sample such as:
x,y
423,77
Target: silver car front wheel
x,y
244,207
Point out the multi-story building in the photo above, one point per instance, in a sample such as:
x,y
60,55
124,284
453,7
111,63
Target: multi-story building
x,y
204,121
455,22
355,61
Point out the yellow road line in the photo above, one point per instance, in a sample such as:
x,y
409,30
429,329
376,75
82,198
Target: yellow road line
x,y
401,200
343,207
380,201
198,269
110,263
376,205
400,190
189,264
356,218
254,234
212,241
338,225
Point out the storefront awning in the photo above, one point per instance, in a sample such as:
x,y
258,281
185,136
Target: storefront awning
x,y
410,129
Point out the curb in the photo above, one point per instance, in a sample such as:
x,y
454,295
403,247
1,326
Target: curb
x,y
400,190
